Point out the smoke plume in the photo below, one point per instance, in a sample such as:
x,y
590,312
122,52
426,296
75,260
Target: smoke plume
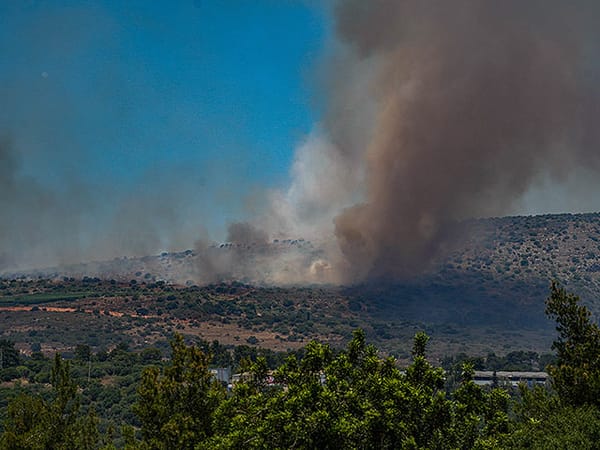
x,y
248,256
437,112
474,101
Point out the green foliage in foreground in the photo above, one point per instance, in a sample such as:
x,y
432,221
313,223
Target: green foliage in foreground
x,y
356,400
177,406
326,400
576,374
35,423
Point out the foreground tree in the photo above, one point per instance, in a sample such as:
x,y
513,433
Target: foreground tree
x,y
176,405
576,374
356,400
543,422
36,423
568,416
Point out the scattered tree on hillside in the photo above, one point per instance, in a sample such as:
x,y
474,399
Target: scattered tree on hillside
x,y
9,355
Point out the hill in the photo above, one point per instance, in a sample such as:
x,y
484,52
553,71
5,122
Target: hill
x,y
486,295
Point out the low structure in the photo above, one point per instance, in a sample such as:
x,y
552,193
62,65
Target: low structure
x,y
222,374
488,377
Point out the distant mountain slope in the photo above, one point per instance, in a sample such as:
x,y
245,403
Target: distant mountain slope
x,y
488,292
499,275
563,246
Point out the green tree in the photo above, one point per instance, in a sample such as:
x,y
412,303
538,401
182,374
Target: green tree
x,y
150,354
567,417
175,406
9,355
544,422
83,352
25,425
57,423
480,416
576,373
356,399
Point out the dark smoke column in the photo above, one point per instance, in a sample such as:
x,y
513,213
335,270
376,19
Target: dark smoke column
x,y
475,100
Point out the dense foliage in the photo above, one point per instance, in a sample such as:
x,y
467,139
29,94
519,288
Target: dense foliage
x,y
319,398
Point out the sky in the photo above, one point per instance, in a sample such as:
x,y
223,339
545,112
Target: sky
x,y
121,96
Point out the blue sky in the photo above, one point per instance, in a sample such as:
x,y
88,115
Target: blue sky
x,y
112,94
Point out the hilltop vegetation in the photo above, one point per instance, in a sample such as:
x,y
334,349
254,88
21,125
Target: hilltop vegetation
x,y
533,248
565,246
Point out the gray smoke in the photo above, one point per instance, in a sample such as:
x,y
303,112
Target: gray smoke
x,y
249,256
57,207
437,112
31,214
475,101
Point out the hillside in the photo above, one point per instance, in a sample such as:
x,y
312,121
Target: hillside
x,y
487,295
565,246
